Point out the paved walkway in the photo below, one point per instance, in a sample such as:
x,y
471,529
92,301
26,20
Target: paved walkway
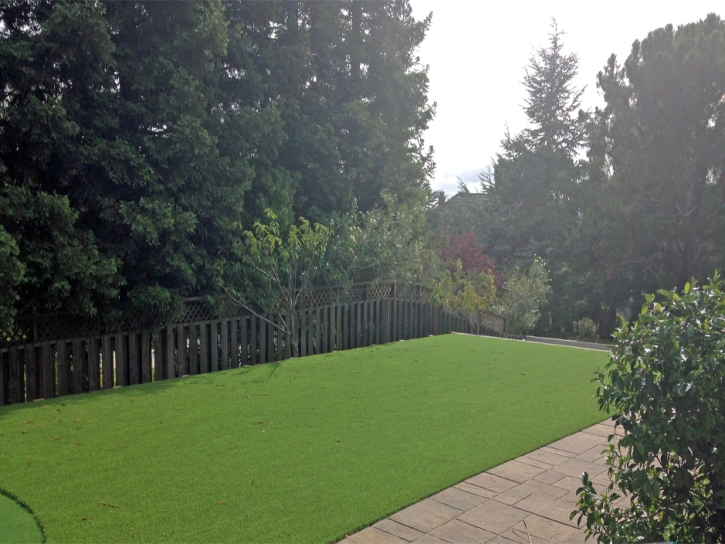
x,y
531,496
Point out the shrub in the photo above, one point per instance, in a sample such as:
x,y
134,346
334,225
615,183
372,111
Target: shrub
x,y
665,385
585,329
523,296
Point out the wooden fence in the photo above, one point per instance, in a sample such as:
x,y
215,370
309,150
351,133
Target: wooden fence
x,y
330,320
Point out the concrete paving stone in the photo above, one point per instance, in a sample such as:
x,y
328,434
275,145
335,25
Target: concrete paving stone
x,y
570,496
569,483
534,463
457,498
516,470
577,443
429,539
593,455
371,535
501,540
457,532
491,482
543,528
493,516
546,508
602,479
542,456
579,538
520,537
602,429
558,452
515,494
549,477
426,515
533,504
575,468
397,529
561,512
475,490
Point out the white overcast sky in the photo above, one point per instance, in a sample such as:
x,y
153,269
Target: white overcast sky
x,y
477,52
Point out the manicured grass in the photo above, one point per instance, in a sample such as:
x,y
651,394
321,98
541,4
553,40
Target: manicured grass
x,y
17,524
306,450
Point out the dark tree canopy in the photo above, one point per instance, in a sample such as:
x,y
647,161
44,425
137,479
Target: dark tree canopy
x,y
137,137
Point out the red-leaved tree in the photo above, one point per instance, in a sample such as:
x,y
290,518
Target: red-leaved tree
x,y
471,254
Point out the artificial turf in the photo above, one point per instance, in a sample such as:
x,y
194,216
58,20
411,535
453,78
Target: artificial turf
x,y
306,450
17,523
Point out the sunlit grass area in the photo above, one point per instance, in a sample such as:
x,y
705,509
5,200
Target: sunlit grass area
x,y
306,450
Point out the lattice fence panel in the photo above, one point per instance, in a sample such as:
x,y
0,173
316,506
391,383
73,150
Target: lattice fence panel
x,y
381,290
407,292
493,322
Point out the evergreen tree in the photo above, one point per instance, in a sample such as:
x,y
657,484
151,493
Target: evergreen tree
x,y
533,189
658,163
534,204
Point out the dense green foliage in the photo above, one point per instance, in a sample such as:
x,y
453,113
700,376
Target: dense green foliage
x,y
644,209
306,450
665,386
136,136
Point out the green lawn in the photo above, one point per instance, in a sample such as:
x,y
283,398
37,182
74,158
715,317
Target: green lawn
x,y
17,524
307,450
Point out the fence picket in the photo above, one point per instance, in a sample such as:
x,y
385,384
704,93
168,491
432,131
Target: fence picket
x,y
63,369
158,356
244,344
203,347
14,377
4,371
121,360
214,346
193,350
134,376
94,363
271,331
145,357
77,366
253,354
170,353
235,342
30,374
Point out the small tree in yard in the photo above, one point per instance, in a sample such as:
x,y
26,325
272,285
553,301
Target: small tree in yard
x,y
523,296
469,282
280,270
665,384
468,293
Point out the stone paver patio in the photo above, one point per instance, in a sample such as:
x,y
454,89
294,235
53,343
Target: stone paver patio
x,y
528,499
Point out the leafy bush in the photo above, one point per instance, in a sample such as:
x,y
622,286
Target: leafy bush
x,y
523,296
665,385
585,329
467,293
